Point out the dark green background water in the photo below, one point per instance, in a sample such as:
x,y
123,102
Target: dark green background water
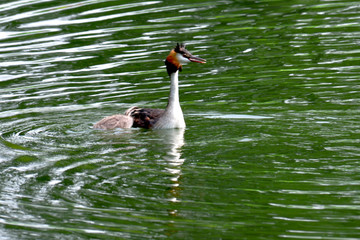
x,y
271,149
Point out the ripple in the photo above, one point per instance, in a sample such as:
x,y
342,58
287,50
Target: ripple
x,y
16,34
45,11
231,116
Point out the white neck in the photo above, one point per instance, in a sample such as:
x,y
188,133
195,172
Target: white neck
x,y
174,91
173,116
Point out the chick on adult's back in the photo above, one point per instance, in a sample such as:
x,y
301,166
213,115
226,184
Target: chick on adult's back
x,y
172,116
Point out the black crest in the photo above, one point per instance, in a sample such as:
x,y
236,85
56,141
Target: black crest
x,y
180,48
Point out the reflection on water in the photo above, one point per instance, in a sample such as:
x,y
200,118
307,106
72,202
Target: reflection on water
x,y
173,139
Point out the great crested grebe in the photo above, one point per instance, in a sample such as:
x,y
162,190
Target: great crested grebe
x,y
172,116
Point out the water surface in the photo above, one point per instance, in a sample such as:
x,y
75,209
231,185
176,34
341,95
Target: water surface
x,y
271,149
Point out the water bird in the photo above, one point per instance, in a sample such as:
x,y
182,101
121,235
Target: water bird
x,y
172,116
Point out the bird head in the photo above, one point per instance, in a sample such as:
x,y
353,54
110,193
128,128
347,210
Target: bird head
x,y
179,56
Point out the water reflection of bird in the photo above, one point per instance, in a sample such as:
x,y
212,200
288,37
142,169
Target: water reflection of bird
x,y
172,116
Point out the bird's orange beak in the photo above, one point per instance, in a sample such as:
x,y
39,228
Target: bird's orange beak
x,y
196,59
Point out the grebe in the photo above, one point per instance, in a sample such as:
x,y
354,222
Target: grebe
x,y
172,116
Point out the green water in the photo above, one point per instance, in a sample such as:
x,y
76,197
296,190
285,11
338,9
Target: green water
x,y
271,149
